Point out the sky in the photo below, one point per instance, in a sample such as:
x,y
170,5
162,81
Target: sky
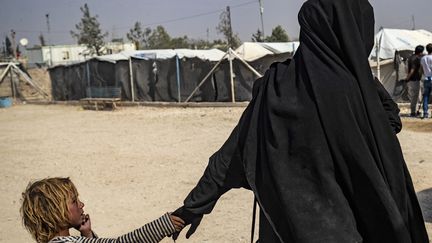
x,y
196,19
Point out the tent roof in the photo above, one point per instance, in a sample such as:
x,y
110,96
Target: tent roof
x,y
251,51
399,39
210,55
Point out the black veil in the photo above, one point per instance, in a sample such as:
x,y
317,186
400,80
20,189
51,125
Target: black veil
x,y
317,143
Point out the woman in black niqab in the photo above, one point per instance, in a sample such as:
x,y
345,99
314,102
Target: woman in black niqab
x,y
317,144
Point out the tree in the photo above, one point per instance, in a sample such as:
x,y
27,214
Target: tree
x,y
159,39
199,44
139,36
180,42
258,36
225,28
89,32
9,48
278,35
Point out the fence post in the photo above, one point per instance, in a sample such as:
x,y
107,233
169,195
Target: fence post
x,y
131,79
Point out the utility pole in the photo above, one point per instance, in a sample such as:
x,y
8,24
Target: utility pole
x,y
48,27
230,38
48,39
13,44
413,21
262,19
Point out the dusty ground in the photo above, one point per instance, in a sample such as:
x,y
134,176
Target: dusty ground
x,y
134,164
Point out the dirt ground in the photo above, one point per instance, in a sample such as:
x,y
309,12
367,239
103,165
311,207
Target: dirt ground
x,y
134,164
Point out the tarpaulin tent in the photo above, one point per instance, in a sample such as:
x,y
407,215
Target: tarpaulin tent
x,y
249,62
161,75
17,73
155,75
393,46
251,51
387,41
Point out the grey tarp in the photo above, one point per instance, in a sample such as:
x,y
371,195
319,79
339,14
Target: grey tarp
x,y
156,79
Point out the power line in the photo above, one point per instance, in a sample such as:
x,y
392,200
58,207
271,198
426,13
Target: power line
x,y
150,24
183,18
157,23
194,16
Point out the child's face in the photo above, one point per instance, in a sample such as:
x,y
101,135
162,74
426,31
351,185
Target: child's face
x,y
76,212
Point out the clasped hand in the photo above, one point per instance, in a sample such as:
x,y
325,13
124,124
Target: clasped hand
x,y
189,218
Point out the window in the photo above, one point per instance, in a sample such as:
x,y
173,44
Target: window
x,y
66,55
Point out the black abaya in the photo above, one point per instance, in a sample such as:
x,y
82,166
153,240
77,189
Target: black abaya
x,y
317,144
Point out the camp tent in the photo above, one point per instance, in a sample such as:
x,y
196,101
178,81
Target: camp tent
x,y
387,41
16,73
392,47
252,51
162,75
155,75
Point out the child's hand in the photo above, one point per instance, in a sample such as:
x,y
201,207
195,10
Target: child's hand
x,y
85,227
179,224
189,218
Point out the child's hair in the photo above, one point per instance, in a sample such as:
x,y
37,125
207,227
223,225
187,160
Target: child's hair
x,y
44,208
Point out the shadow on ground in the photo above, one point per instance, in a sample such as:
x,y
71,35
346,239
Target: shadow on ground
x,y
425,200
417,124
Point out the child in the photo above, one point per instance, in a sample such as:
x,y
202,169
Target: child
x,y
50,207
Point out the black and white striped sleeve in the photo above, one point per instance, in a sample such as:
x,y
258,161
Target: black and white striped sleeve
x,y
152,232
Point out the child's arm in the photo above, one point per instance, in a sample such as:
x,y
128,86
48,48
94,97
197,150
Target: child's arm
x,y
152,232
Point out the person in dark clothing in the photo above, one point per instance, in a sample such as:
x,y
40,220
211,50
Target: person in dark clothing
x,y
317,144
414,74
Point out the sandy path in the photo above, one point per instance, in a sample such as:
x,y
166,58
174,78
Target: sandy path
x,y
134,164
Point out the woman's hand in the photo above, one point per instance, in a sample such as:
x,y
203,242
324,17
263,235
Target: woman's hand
x,y
188,218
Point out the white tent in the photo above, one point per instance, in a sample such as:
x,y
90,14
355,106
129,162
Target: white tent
x,y
390,67
387,41
251,51
210,55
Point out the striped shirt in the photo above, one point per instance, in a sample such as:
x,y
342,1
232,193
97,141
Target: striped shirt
x,y
152,232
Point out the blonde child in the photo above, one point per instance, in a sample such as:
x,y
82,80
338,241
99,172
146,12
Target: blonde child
x,y
50,207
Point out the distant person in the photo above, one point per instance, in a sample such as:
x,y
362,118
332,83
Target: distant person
x,y
50,207
414,74
426,63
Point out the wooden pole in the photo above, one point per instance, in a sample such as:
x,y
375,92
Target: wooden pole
x,y
178,78
231,76
4,73
378,53
12,84
90,95
28,79
378,74
205,78
131,79
259,75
